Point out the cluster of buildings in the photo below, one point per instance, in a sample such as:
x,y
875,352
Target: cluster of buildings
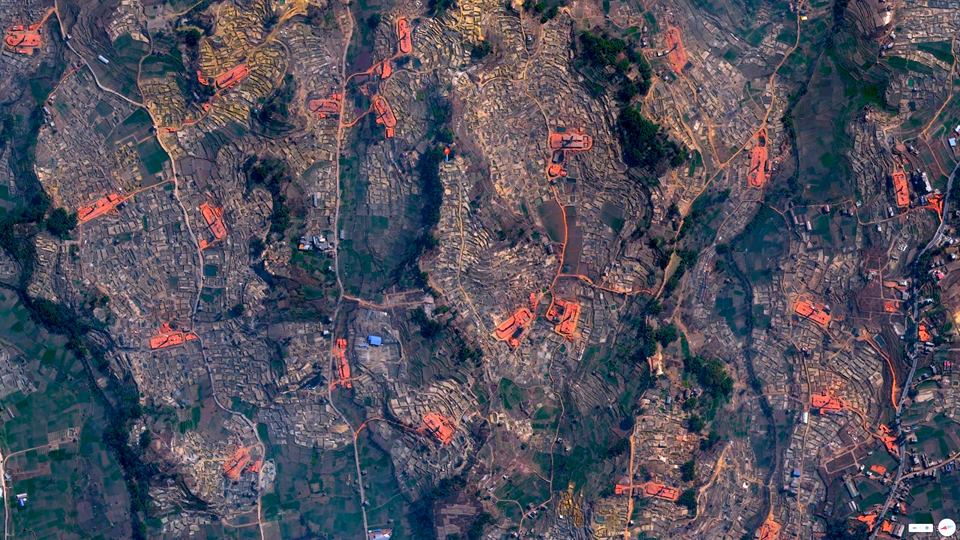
x,y
507,237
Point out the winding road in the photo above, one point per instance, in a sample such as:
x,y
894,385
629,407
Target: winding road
x,y
913,367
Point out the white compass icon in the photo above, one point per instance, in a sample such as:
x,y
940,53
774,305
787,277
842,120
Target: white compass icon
x,y
946,527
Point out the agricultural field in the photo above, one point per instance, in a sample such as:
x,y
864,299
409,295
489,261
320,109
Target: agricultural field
x,y
316,495
124,56
939,438
51,440
758,250
152,156
933,499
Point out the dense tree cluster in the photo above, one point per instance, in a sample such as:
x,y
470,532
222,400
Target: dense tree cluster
x,y
431,188
439,113
19,223
846,530
612,62
438,7
188,38
475,531
712,439
601,53
60,222
271,174
422,511
667,334
688,259
480,50
429,328
710,375
274,115
117,395
546,9
644,144
428,171
689,499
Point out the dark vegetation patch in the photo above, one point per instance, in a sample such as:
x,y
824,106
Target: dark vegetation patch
x,y
427,205
688,259
422,512
613,63
273,116
119,397
152,155
712,377
20,124
688,499
700,223
481,50
188,36
624,365
440,350
436,8
20,121
60,222
760,246
846,529
645,145
273,175
900,63
838,76
429,328
165,57
545,9
941,50
595,438
124,55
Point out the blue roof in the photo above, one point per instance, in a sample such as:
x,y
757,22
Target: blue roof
x,y
376,341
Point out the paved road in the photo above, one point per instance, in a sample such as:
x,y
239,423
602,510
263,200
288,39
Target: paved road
x,y
913,367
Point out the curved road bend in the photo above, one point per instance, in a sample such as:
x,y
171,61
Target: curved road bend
x,y
913,367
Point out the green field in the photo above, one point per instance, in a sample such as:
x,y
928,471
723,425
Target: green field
x,y
939,49
316,496
152,156
136,126
121,73
760,245
511,395
730,306
612,216
77,486
158,65
905,64
546,417
939,437
934,499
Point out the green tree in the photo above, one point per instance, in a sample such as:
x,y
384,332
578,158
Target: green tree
x,y
600,49
711,375
60,222
667,334
481,50
437,7
712,439
644,143
689,499
272,174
